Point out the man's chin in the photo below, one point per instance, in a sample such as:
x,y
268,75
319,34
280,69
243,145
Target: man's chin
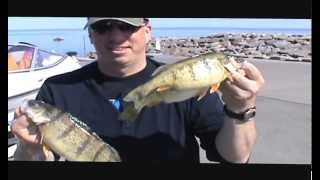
x,y
121,59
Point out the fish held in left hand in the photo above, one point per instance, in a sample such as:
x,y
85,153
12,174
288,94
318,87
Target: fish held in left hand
x,y
192,77
66,135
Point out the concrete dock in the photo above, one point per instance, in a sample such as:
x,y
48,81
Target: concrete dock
x,y
283,114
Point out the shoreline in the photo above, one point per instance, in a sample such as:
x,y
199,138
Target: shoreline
x,y
273,47
296,48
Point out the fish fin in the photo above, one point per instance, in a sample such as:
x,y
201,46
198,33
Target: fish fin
x,y
48,153
163,88
232,66
129,113
202,93
160,69
242,72
41,139
62,158
238,66
214,88
228,76
235,63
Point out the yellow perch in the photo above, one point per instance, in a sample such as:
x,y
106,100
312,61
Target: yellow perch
x,y
67,136
180,81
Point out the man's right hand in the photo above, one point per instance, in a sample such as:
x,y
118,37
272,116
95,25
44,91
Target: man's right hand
x,y
30,147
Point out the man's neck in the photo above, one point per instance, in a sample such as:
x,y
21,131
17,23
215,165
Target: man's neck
x,y
121,70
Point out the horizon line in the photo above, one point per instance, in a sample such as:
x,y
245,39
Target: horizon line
x,y
190,27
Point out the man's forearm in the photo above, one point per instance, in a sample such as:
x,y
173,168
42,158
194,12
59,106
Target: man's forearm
x,y
235,140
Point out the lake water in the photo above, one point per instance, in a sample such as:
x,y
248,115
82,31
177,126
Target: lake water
x,y
77,39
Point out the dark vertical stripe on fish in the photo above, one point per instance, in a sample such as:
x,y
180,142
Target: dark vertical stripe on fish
x,y
205,62
83,146
66,132
191,72
98,152
174,76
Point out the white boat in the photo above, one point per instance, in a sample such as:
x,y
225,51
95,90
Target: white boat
x,y
85,60
28,68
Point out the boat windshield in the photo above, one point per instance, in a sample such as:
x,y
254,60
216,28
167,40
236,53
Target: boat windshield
x,y
20,57
46,59
24,58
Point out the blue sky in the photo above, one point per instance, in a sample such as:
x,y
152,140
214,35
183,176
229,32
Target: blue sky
x,y
16,23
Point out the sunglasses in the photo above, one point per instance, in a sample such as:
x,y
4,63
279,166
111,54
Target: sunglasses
x,y
107,26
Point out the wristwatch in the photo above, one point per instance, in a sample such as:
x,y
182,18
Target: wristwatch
x,y
242,116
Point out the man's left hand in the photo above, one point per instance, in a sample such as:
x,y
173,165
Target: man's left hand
x,y
239,93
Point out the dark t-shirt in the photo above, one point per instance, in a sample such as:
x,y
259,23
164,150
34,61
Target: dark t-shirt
x,y
166,132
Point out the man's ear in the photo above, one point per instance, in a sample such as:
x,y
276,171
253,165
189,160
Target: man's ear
x,y
148,33
90,35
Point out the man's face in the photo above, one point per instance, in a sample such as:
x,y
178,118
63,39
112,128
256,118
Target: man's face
x,y
120,42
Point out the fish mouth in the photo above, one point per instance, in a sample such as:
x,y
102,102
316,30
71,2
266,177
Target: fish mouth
x,y
26,104
30,107
26,107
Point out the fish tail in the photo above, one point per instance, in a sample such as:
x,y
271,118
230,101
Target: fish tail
x,y
48,153
137,99
130,113
134,95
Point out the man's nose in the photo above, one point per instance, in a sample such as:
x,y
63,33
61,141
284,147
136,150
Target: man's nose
x,y
116,34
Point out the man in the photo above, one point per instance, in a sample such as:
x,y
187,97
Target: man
x,y
165,132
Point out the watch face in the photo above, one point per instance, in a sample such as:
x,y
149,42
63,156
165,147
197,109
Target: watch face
x,y
249,114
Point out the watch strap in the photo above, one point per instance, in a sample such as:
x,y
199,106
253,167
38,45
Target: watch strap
x,y
242,116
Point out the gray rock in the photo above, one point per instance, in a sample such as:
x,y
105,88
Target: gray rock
x,y
183,51
252,36
278,47
281,52
235,37
306,59
266,37
254,43
267,50
211,45
282,44
195,51
219,35
275,58
297,53
281,37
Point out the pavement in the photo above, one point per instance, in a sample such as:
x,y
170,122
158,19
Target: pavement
x,y
283,113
